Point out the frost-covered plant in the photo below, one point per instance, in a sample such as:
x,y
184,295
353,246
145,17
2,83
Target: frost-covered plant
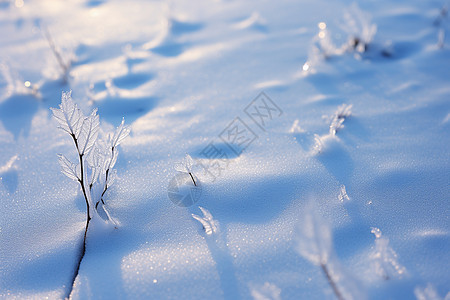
x,y
209,224
295,128
343,196
360,29
318,143
441,38
186,167
322,48
314,242
220,253
324,44
343,112
96,159
440,23
15,84
360,32
336,123
65,66
386,262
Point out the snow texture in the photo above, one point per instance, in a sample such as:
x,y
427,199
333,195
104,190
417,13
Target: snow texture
x,y
356,118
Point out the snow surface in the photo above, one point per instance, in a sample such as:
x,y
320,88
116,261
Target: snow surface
x,y
180,72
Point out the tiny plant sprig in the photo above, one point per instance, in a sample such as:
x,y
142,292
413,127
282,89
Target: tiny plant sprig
x,y
385,258
186,167
314,243
65,66
96,159
342,113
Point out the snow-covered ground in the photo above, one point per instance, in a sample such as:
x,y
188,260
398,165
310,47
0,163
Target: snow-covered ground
x,y
329,121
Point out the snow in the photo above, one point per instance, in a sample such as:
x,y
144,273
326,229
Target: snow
x,y
180,74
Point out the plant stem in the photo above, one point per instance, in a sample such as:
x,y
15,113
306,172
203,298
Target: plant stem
x,y
88,218
106,179
52,46
106,186
331,282
83,252
192,178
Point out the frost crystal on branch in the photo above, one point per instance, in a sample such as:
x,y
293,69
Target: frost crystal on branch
x,y
186,167
69,169
69,116
386,264
360,28
120,134
313,238
313,241
343,196
318,144
343,112
89,133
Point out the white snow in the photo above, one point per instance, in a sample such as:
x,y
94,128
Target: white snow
x,y
183,74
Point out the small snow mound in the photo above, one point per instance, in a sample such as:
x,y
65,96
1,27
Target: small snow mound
x,y
325,143
99,227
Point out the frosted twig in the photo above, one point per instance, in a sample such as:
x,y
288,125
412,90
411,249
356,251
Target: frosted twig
x,y
342,113
186,167
318,144
64,66
386,262
343,194
314,243
91,160
360,29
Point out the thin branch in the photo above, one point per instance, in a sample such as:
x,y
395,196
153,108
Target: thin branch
x,y
192,178
77,269
106,179
88,218
331,282
106,186
64,67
